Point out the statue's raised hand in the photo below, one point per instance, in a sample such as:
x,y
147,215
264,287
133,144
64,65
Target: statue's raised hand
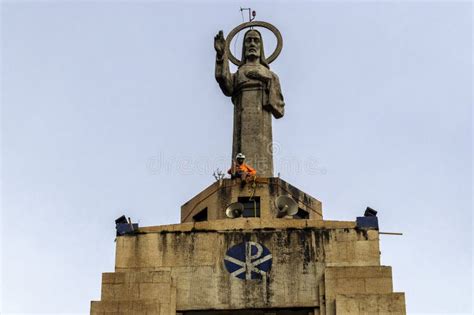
x,y
219,44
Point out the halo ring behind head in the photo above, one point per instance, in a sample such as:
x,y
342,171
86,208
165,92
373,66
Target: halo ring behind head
x,y
242,26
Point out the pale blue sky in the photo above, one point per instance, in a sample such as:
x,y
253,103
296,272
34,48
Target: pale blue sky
x,y
112,107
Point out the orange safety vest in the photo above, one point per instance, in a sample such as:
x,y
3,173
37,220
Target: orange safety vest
x,y
242,168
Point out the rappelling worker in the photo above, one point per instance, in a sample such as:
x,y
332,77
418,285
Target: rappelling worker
x,y
241,170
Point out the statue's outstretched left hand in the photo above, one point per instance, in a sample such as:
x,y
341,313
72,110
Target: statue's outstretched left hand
x,y
258,75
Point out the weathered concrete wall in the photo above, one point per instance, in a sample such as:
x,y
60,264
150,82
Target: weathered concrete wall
x,y
328,266
194,259
139,292
219,195
376,304
355,280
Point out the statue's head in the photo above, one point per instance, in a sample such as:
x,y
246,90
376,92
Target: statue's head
x,y
252,47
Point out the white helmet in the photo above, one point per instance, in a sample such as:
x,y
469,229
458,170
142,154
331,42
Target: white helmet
x,y
240,156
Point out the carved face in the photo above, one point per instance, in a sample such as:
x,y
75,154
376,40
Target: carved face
x,y
252,44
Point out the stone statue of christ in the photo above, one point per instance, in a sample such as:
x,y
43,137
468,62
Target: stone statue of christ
x,y
256,95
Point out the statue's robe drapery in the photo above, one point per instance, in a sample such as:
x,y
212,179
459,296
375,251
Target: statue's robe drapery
x,y
254,103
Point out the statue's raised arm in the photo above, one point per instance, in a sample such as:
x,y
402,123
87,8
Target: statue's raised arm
x,y
223,75
255,92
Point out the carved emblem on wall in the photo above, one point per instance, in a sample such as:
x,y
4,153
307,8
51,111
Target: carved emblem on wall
x,y
248,260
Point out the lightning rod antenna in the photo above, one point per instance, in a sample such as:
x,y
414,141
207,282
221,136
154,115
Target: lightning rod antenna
x,y
252,14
